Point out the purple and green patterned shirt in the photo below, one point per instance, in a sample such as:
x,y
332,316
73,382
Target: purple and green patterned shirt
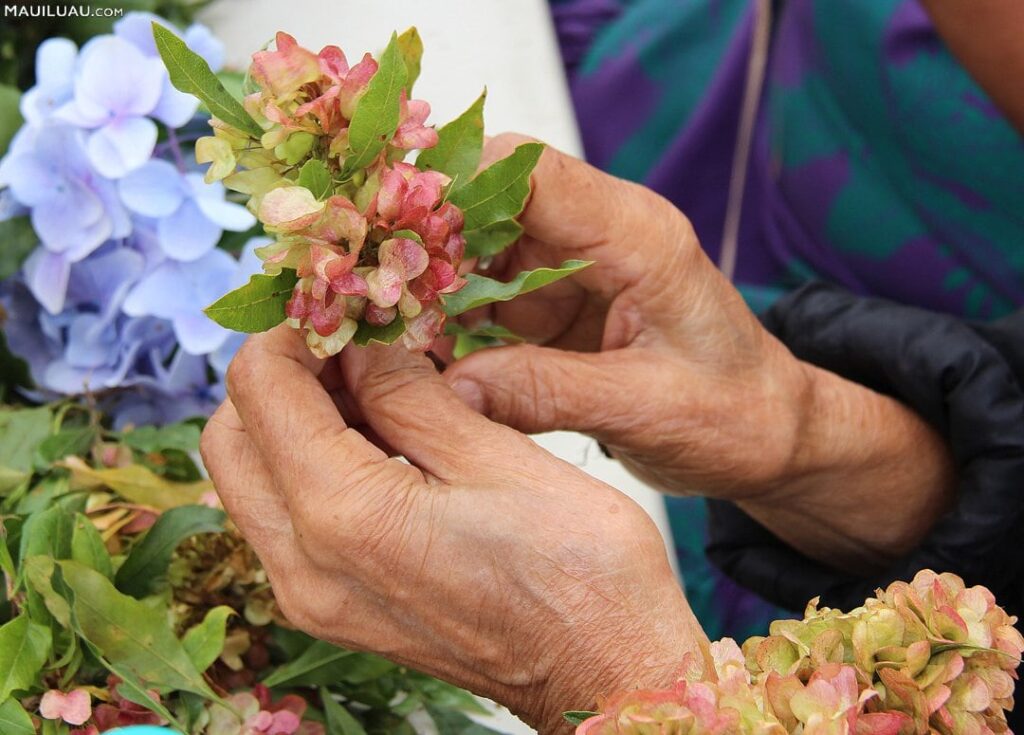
x,y
877,163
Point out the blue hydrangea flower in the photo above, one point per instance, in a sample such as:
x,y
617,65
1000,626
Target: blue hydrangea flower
x,y
116,88
55,73
74,209
190,214
174,108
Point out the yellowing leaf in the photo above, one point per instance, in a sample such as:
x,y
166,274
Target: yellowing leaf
x,y
137,484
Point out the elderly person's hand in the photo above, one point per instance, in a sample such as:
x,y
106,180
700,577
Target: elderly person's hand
x,y
654,353
484,560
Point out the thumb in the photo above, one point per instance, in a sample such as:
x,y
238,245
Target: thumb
x,y
536,389
410,407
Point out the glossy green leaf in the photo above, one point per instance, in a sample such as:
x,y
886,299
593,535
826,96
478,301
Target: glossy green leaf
x,y
386,335
453,722
138,484
190,74
47,532
204,641
498,192
578,717
314,176
323,664
480,290
183,437
130,634
87,547
257,306
146,566
14,720
457,152
376,115
69,441
24,648
339,720
470,339
492,239
136,690
410,46
39,576
17,241
21,433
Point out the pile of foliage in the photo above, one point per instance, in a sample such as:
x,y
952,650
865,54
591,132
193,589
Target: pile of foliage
x,y
129,598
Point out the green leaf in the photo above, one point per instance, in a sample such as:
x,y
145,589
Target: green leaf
x,y
10,120
459,143
323,664
21,432
257,306
376,115
39,575
469,340
183,437
480,290
386,335
339,720
24,648
492,239
408,235
14,720
410,46
204,641
87,547
578,717
146,565
190,74
137,690
17,240
453,722
314,176
498,192
132,635
74,440
138,484
47,532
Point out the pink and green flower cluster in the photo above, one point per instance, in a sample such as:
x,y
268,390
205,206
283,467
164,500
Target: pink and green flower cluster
x,y
931,656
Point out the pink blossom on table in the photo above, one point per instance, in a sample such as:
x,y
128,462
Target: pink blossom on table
x,y
73,707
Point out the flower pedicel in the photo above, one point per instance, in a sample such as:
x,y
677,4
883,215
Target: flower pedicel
x,y
366,245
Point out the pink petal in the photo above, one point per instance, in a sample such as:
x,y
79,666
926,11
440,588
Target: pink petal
x,y
286,69
327,319
74,708
349,284
333,63
390,195
380,316
289,208
285,723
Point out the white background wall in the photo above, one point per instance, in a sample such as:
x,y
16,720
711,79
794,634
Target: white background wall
x,y
509,47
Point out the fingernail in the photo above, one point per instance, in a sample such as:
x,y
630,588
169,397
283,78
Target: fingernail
x,y
470,393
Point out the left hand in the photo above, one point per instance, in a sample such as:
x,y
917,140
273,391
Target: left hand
x,y
486,561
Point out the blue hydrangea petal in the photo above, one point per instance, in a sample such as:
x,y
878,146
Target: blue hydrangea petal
x,y
160,293
187,234
73,224
174,108
200,39
228,215
137,28
55,63
122,146
92,342
197,334
156,189
46,275
31,180
117,79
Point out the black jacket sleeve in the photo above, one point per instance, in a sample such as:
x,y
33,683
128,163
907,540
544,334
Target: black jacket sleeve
x,y
967,381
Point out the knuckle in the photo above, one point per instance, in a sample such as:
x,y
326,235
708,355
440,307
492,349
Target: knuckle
x,y
241,371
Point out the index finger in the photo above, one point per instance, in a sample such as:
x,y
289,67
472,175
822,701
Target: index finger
x,y
291,418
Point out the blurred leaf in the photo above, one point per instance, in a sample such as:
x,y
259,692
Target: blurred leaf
x,y
339,720
232,81
457,152
257,306
323,664
136,690
132,635
492,239
204,641
190,74
480,290
184,437
70,441
314,176
376,115
21,432
386,335
14,720
410,46
17,239
578,717
453,722
146,565
87,547
13,371
137,484
39,575
442,694
24,648
10,121
47,532
498,192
